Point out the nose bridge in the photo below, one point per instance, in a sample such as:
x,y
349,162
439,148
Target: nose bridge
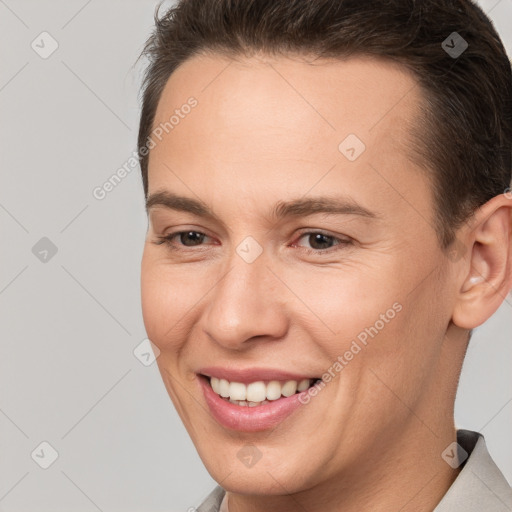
x,y
244,302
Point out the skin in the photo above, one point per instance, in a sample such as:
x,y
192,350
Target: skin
x,y
267,129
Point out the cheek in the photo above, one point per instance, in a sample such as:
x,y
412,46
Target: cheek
x,y
343,302
164,300
403,357
371,324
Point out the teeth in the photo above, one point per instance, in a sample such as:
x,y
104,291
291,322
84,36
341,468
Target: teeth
x,y
257,392
237,391
273,390
223,388
303,385
245,403
289,388
215,384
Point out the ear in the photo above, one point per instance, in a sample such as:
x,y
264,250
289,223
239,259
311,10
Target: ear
x,y
486,276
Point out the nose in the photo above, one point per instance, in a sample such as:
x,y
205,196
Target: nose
x,y
247,303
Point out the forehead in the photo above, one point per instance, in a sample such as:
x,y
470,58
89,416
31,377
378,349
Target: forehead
x,y
294,96
359,91
284,120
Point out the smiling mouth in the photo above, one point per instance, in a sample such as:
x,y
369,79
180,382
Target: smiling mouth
x,y
257,393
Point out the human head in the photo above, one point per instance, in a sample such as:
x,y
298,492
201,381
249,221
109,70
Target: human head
x,y
265,128
464,136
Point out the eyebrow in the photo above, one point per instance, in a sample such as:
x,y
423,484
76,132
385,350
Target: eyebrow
x,y
282,209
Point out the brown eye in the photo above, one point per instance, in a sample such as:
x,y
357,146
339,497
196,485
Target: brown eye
x,y
320,241
191,238
186,239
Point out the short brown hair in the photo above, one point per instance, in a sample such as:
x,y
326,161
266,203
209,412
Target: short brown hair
x,y
465,136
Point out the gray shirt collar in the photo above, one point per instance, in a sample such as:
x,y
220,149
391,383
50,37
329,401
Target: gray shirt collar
x,y
480,486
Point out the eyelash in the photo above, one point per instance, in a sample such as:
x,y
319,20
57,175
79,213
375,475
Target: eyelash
x,y
339,242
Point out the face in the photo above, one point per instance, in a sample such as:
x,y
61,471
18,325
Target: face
x,y
291,237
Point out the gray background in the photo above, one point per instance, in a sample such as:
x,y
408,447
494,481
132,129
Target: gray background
x,y
69,325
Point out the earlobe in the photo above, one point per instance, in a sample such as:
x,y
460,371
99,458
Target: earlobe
x,y
487,276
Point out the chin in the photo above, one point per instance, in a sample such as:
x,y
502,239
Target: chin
x,y
259,477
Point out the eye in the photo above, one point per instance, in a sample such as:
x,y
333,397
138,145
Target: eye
x,y
322,243
189,238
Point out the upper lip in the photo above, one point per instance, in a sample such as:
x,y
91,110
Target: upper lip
x,y
248,375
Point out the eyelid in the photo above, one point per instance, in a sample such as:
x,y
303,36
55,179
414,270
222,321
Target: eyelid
x,y
313,231
169,237
341,241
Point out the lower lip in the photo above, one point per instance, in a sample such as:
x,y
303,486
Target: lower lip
x,y
245,418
